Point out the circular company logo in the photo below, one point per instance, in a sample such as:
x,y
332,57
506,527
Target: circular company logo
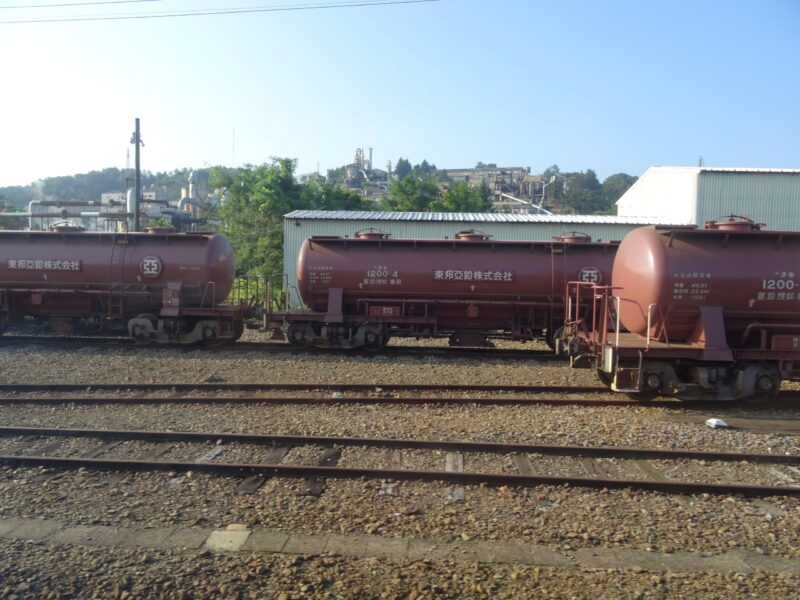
x,y
590,275
151,266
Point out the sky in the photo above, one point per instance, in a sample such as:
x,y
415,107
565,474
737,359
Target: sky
x,y
613,85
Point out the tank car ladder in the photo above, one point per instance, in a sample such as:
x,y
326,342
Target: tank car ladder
x,y
116,266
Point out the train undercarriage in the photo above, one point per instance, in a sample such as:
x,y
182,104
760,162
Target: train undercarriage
x,y
92,314
694,380
374,335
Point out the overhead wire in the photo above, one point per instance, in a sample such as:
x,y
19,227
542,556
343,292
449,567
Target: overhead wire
x,y
226,11
17,6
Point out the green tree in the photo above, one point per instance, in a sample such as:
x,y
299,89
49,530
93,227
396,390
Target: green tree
x,y
255,200
412,193
424,168
318,194
583,192
336,175
554,192
402,168
614,186
16,196
461,197
482,165
9,222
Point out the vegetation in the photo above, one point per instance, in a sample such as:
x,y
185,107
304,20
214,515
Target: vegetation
x,y
582,192
255,200
255,197
90,186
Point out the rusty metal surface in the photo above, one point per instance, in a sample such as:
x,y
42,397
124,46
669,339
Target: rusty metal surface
x,y
787,402
449,446
493,275
60,264
205,387
315,400
353,473
277,348
753,276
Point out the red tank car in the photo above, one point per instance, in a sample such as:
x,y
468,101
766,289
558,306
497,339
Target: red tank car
x,y
159,286
710,313
361,291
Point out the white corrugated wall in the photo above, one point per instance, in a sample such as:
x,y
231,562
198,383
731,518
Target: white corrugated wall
x,y
771,198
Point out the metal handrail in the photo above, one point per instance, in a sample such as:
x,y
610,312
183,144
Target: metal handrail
x,y
617,326
649,320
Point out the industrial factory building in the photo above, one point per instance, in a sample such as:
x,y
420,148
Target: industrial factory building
x,y
694,195
114,211
302,224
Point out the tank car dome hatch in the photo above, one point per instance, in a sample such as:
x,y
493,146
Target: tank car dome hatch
x,y
735,223
573,237
67,228
472,235
371,234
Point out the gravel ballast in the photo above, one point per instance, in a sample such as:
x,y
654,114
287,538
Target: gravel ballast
x,y
560,517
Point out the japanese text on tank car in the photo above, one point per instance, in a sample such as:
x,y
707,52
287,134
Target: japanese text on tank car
x,y
381,275
474,275
21,264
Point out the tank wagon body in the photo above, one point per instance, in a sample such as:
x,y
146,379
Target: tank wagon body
x,y
710,313
361,291
158,286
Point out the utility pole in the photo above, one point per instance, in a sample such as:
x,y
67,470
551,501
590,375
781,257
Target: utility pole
x,y
137,185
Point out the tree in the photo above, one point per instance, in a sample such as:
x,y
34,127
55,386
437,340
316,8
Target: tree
x,y
10,223
461,197
402,168
583,192
482,165
318,194
424,168
255,200
412,193
616,185
16,196
554,193
336,175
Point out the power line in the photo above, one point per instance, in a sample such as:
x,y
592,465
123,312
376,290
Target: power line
x,y
232,11
77,4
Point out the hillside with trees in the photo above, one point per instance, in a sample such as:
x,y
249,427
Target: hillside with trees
x,y
255,197
90,186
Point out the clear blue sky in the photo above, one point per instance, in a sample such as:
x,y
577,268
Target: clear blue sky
x,y
613,85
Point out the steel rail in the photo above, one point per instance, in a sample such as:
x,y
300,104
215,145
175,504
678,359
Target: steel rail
x,y
267,347
446,445
368,387
329,401
778,404
296,471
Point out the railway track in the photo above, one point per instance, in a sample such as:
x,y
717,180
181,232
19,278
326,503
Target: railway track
x,y
277,447
263,387
280,348
778,404
371,394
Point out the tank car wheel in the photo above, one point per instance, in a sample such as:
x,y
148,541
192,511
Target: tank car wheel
x,y
238,330
212,340
298,336
140,334
605,378
552,335
374,341
642,396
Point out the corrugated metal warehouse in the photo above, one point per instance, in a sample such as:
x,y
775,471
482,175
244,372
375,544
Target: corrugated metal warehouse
x,y
694,195
302,224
